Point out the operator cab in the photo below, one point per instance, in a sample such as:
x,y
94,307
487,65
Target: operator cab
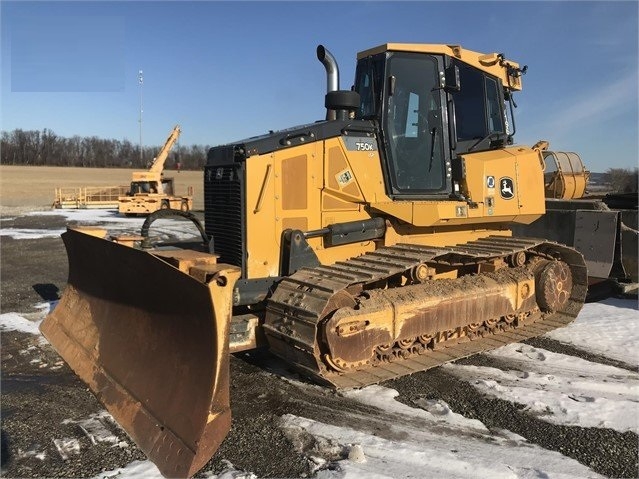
x,y
139,187
143,188
431,108
164,186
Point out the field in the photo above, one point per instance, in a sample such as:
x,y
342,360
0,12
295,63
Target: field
x,y
29,188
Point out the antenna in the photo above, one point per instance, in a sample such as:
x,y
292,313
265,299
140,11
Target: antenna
x,y
141,82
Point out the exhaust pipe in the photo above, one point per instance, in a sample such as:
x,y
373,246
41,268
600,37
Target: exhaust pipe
x,y
332,75
340,105
332,71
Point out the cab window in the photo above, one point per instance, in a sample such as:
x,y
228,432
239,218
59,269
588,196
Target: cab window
x,y
479,110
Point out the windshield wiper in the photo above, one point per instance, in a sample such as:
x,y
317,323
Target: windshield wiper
x,y
490,136
432,147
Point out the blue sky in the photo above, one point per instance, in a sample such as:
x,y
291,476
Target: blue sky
x,y
230,70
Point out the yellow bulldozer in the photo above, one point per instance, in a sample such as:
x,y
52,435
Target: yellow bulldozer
x,y
150,190
369,245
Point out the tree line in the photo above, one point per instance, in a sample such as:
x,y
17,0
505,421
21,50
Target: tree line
x,y
45,148
623,180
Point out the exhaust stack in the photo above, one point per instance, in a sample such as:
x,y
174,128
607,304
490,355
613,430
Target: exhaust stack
x,y
332,75
340,105
332,70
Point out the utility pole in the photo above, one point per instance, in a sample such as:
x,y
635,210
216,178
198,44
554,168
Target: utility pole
x,y
141,82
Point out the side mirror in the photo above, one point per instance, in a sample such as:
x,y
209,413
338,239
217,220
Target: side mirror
x,y
452,82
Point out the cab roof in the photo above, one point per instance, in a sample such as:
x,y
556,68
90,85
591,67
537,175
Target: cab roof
x,y
492,63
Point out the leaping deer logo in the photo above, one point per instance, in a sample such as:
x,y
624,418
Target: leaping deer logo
x,y
507,190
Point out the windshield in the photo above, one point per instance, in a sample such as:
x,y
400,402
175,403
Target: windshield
x,y
413,123
479,112
138,187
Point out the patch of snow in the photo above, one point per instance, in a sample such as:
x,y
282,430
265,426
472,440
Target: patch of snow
x,y
17,322
447,456
35,233
356,454
231,473
95,428
26,322
148,470
114,223
133,470
44,307
568,390
86,215
436,411
67,447
33,452
561,389
609,328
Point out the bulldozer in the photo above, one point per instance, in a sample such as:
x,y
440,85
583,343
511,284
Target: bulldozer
x,y
368,245
150,190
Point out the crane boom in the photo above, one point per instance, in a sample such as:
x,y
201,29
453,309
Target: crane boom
x,y
158,162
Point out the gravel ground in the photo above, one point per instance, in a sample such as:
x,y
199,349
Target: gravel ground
x,y
36,401
606,451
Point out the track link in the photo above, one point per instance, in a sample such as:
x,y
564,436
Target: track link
x,y
299,310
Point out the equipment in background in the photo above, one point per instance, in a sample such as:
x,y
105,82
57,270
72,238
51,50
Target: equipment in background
x,y
151,191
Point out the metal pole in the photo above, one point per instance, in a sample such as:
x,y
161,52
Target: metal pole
x,y
141,81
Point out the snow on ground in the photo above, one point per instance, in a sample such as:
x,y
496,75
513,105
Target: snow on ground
x,y
89,216
113,222
24,233
134,470
610,328
33,452
457,452
436,412
67,447
562,389
95,428
26,322
17,322
565,389
451,445
558,388
148,470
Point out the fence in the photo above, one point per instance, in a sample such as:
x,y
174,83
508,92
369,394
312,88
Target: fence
x,y
89,197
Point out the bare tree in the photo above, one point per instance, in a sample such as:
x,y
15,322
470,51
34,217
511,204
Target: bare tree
x,y
28,147
623,180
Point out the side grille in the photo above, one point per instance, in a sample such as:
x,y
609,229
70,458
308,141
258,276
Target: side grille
x,y
224,212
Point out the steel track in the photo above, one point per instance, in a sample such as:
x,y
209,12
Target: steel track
x,y
296,311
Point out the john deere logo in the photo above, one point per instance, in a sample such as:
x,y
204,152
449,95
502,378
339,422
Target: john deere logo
x,y
219,173
506,188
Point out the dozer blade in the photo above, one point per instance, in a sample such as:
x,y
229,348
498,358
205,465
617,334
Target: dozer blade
x,y
151,343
